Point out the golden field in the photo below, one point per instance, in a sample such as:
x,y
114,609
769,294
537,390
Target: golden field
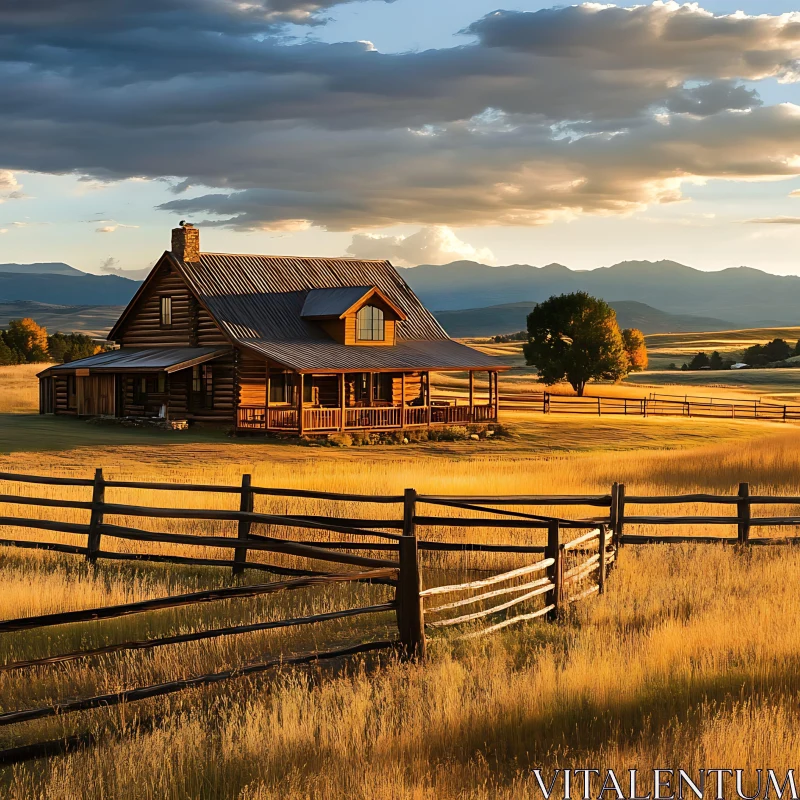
x,y
689,660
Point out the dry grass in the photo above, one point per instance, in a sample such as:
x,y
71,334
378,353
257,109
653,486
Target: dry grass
x,y
19,391
687,661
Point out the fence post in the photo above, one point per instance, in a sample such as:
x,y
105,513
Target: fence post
x,y
555,570
743,512
410,613
601,578
613,512
598,407
243,529
98,499
620,515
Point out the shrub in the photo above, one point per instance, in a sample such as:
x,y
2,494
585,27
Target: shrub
x,y
451,433
341,439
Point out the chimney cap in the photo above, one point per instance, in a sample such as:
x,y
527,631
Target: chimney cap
x,y
184,224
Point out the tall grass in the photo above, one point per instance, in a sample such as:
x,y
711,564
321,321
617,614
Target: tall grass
x,y
20,390
684,660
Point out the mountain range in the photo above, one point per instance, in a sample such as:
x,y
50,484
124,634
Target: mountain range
x,y
61,284
743,296
511,317
670,296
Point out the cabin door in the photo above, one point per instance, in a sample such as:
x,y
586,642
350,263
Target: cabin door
x,y
96,395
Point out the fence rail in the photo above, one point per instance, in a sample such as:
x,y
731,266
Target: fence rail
x,y
656,405
558,574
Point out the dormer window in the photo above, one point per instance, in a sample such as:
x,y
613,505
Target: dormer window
x,y
370,324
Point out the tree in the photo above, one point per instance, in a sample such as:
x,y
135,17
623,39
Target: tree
x,y
716,362
760,355
635,347
28,339
575,337
64,347
777,350
699,361
7,355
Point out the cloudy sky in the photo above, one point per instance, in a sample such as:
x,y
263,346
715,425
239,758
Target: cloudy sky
x,y
419,130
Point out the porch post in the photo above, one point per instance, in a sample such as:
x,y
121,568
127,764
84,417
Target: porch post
x,y
300,382
496,396
402,399
428,394
266,398
342,401
471,396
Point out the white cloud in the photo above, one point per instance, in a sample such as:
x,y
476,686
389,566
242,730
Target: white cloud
x,y
109,267
10,187
112,226
436,244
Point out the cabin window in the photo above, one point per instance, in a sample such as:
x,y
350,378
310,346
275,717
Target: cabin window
x,y
382,386
203,386
162,382
308,390
371,325
166,312
361,387
139,391
282,387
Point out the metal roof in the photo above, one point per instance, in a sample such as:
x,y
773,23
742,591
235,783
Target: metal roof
x,y
331,356
259,303
149,359
332,302
262,297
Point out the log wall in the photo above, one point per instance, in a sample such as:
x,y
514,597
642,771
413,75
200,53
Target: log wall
x,y
192,325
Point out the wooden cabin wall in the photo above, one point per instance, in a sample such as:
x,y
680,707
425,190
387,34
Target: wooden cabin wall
x,y
252,380
208,332
192,325
413,388
60,392
327,387
224,402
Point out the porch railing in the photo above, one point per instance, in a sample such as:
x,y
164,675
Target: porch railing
x,y
387,417
371,417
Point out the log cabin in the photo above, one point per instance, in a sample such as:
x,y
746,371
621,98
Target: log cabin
x,y
275,344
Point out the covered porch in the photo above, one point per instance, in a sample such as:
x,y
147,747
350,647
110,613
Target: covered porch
x,y
300,403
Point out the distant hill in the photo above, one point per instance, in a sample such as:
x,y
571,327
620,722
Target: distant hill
x,y
66,288
511,317
39,268
91,320
743,296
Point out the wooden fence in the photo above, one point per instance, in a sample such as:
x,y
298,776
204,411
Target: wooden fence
x,y
384,551
391,543
656,405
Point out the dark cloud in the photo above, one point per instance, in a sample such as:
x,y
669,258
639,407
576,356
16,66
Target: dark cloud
x,y
544,114
226,16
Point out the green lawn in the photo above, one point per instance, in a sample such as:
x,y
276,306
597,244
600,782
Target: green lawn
x,y
32,432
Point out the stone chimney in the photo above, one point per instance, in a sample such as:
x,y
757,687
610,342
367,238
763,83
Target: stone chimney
x,y
186,242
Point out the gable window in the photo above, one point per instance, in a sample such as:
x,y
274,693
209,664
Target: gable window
x,y
166,311
370,324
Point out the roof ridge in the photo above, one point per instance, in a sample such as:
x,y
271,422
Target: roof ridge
x,y
316,258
